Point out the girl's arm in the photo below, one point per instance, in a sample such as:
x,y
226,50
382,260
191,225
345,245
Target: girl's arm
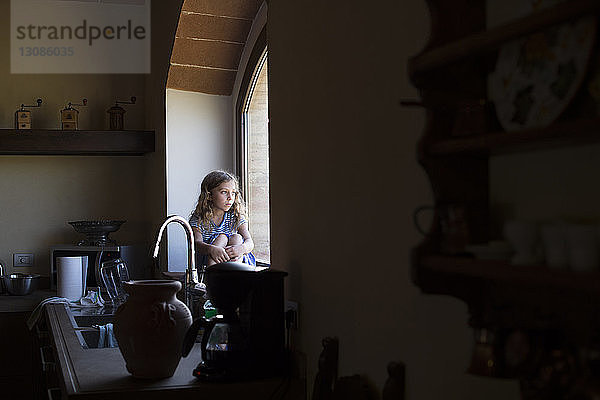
x,y
245,233
218,254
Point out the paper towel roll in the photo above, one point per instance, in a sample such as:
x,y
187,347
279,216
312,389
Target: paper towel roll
x,y
70,280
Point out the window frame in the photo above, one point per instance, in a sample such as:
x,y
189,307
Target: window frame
x,y
257,58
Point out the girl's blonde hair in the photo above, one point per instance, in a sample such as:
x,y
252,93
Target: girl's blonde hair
x,y
204,210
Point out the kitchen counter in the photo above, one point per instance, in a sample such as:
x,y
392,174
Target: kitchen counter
x,y
101,373
26,303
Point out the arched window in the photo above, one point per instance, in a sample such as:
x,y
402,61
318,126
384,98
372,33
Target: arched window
x,y
253,147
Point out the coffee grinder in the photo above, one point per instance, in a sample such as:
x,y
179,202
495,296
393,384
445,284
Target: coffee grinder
x,y
246,339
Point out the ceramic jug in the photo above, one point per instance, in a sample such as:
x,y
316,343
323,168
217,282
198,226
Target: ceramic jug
x,y
150,327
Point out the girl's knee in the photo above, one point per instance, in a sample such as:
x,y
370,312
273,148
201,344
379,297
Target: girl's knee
x,y
220,240
235,239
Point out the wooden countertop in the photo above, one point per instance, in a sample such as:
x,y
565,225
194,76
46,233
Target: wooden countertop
x,y
101,373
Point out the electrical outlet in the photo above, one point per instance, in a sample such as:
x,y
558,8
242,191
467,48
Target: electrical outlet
x,y
291,314
23,260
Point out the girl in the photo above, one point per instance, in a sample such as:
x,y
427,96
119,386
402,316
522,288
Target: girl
x,y
218,221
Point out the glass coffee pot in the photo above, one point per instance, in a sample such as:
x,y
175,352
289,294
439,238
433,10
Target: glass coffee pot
x,y
113,274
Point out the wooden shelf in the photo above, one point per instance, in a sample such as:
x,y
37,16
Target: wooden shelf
x,y
59,142
503,273
574,132
491,39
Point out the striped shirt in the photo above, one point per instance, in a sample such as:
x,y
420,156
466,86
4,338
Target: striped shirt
x,y
226,227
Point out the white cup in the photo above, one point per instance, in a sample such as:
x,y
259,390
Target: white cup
x,y
71,277
554,241
584,254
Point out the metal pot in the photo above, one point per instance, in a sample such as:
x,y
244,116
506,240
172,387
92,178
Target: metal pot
x,y
20,284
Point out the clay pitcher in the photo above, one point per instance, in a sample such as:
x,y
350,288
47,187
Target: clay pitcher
x,y
150,327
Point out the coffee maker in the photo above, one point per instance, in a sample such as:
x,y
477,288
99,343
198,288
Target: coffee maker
x,y
246,339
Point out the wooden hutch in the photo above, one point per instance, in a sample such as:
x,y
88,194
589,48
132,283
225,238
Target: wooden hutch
x,y
543,323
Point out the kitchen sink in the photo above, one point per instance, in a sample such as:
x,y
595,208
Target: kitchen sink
x,y
91,340
88,330
82,321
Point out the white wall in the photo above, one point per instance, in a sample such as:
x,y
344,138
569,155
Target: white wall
x,y
344,183
199,140
39,194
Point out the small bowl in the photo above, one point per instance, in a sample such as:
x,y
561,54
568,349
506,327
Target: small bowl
x,y
20,284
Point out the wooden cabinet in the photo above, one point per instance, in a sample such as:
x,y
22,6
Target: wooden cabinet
x,y
555,311
46,381
17,357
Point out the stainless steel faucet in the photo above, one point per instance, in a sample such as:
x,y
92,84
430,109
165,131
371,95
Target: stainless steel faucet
x,y
191,274
2,272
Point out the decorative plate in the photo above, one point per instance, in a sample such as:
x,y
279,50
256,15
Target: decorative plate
x,y
537,76
98,226
96,232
